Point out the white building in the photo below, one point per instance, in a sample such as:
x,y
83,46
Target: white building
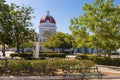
x,y
47,23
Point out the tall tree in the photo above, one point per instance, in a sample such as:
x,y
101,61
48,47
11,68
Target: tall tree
x,y
5,23
21,19
102,20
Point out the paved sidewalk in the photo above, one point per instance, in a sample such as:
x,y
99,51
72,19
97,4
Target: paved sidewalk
x,y
55,78
7,53
104,69
109,70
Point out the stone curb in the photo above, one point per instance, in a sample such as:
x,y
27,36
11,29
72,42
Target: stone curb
x,y
52,77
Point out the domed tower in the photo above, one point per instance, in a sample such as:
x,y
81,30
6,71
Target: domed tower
x,y
47,23
47,27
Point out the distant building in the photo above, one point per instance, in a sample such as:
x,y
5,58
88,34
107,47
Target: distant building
x,y
47,24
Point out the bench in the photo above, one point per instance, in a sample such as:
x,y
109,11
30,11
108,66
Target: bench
x,y
92,72
69,73
82,73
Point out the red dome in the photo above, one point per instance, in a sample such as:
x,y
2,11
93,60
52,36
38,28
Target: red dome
x,y
47,18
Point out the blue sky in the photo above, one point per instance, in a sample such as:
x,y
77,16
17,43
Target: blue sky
x,y
61,10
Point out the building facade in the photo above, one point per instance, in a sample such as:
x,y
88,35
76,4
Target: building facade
x,y
47,23
47,27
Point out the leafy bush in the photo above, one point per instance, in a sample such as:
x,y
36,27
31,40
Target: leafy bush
x,y
48,52
99,59
85,56
26,55
14,55
61,63
107,61
43,66
115,53
21,55
41,55
56,55
52,55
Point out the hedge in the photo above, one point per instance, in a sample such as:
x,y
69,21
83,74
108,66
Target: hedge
x,y
107,61
86,56
14,55
41,66
48,52
29,55
61,55
100,59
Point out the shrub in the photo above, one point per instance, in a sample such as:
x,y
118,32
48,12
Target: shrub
x,y
28,55
48,52
107,61
42,66
99,59
41,55
85,56
14,55
61,55
115,53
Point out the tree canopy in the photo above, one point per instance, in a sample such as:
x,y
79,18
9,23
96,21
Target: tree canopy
x,y
5,25
99,27
59,40
14,21
21,19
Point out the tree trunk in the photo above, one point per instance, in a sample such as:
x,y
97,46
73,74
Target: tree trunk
x,y
92,50
18,48
85,50
3,50
72,52
62,50
22,49
97,51
109,53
